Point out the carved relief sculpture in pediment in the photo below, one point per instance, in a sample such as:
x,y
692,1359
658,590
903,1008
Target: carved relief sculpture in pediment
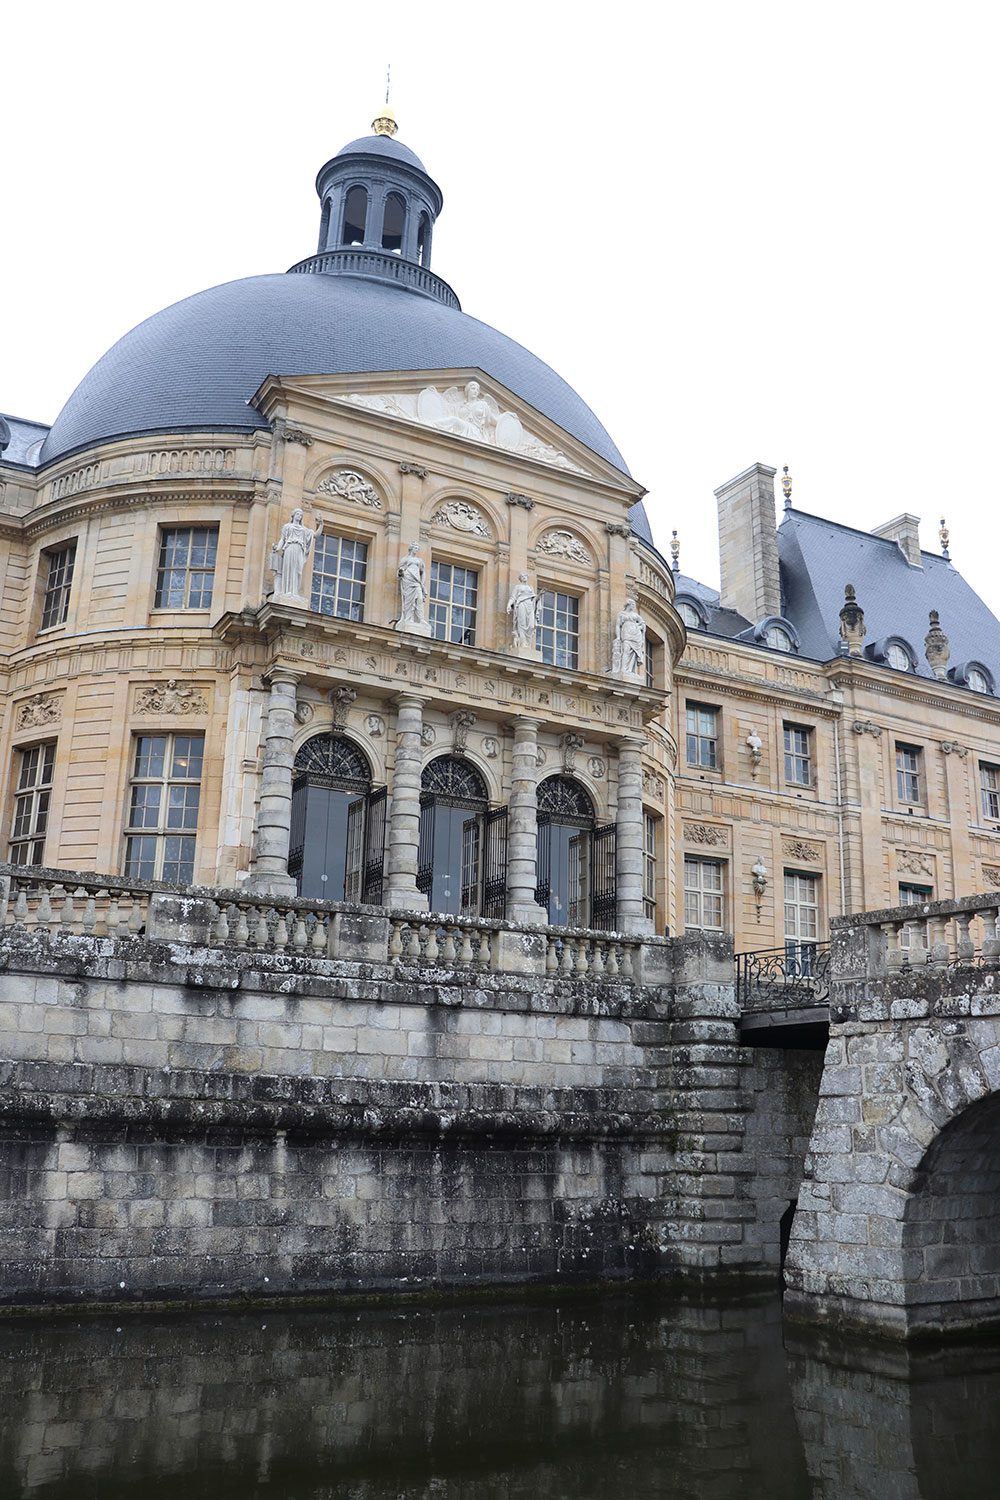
x,y
559,543
462,516
170,698
466,412
348,484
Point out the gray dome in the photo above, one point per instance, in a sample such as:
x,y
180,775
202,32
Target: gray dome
x,y
195,365
382,145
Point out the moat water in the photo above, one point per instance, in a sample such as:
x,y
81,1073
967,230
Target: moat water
x,y
617,1398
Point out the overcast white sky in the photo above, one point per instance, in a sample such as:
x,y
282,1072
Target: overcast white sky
x,y
742,231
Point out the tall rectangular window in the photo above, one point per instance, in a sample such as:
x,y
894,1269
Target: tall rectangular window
x,y
164,797
559,628
58,583
801,920
186,571
989,785
908,773
702,736
650,841
798,756
912,895
453,599
703,894
32,795
340,567
652,648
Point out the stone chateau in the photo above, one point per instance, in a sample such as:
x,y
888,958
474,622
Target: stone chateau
x,y
382,806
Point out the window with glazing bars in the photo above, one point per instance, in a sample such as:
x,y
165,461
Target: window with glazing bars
x,y
559,628
989,783
164,797
453,598
703,893
801,907
650,662
32,795
186,570
58,583
650,839
702,736
340,567
908,773
798,760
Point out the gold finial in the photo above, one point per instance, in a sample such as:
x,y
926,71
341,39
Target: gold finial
x,y
943,538
384,122
786,486
675,550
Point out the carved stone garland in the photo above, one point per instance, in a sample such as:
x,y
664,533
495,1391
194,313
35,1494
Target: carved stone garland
x,y
348,484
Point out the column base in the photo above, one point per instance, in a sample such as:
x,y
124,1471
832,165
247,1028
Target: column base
x,y
528,915
272,885
405,900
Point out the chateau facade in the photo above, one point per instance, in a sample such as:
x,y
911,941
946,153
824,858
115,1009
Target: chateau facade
x,y
319,585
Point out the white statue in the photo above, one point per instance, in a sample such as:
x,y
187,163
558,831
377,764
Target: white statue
x,y
288,556
469,414
628,651
412,593
523,607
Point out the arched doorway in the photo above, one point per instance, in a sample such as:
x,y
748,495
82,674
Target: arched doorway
x,y
338,822
462,856
576,859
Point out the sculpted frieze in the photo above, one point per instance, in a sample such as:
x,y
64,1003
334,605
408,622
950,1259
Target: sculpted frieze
x,y
801,849
914,862
170,698
35,712
561,543
709,834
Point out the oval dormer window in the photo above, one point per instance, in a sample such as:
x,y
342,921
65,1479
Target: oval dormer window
x,y
777,637
898,657
688,614
977,680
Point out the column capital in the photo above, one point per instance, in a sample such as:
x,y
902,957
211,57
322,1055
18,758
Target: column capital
x,y
526,721
409,700
276,674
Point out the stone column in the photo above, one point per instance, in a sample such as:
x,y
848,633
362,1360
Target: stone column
x,y
629,871
274,816
522,827
404,814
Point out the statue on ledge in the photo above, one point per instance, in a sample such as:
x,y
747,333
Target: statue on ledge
x,y
628,650
288,557
522,606
412,593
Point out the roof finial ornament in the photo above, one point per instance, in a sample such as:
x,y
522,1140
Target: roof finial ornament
x,y
786,486
384,122
675,551
852,622
943,538
936,647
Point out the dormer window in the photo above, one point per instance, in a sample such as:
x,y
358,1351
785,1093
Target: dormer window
x,y
691,611
355,216
777,638
892,651
977,681
973,675
394,224
777,633
896,656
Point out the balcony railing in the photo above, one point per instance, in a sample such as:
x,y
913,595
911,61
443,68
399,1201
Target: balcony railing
x,y
795,977
936,935
56,903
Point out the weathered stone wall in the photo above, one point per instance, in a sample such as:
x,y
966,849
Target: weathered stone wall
x,y
783,1088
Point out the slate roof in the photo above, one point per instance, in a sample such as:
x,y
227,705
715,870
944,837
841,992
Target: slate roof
x,y
818,557
24,440
383,145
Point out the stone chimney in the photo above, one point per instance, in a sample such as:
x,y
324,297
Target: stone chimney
x,y
748,544
904,530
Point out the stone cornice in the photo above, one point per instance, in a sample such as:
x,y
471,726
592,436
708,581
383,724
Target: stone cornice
x,y
741,685
60,512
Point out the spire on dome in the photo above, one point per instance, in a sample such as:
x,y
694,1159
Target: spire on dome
x,y
384,122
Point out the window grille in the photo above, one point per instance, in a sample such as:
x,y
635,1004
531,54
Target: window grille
x,y
186,572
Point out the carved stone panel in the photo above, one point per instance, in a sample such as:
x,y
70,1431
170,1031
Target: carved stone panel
x,y
462,516
802,849
560,543
348,484
914,862
709,834
35,712
170,698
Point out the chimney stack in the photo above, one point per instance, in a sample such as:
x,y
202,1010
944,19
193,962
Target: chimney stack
x,y
748,544
904,530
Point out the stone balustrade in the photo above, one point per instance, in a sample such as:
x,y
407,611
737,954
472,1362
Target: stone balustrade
x,y
70,902
936,934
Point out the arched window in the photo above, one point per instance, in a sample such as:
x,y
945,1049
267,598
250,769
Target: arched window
x,y
355,216
462,852
777,637
338,822
688,614
424,240
897,656
394,223
576,859
324,224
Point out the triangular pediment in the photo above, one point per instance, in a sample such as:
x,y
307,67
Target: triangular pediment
x,y
465,406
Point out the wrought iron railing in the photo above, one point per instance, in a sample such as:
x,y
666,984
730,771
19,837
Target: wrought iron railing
x,y
795,977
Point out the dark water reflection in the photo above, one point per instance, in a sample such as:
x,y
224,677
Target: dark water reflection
x,y
627,1396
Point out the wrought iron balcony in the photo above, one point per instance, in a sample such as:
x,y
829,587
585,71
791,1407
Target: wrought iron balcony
x,y
794,977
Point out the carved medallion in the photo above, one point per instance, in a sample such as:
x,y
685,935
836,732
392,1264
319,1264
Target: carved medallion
x,y
462,516
596,767
653,785
375,725
169,698
559,543
348,484
491,747
428,734
43,708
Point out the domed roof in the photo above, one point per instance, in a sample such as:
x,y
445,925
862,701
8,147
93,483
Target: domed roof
x,y
195,365
382,145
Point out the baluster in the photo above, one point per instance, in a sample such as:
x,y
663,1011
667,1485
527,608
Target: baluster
x,y
136,916
299,936
318,943
242,934
113,918
21,907
582,965
465,952
280,938
566,963
396,942
612,964
413,942
259,927
44,915
67,911
966,947
431,948
597,959
893,949
628,967
991,940
485,954
551,956
938,937
448,950
90,915
220,927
